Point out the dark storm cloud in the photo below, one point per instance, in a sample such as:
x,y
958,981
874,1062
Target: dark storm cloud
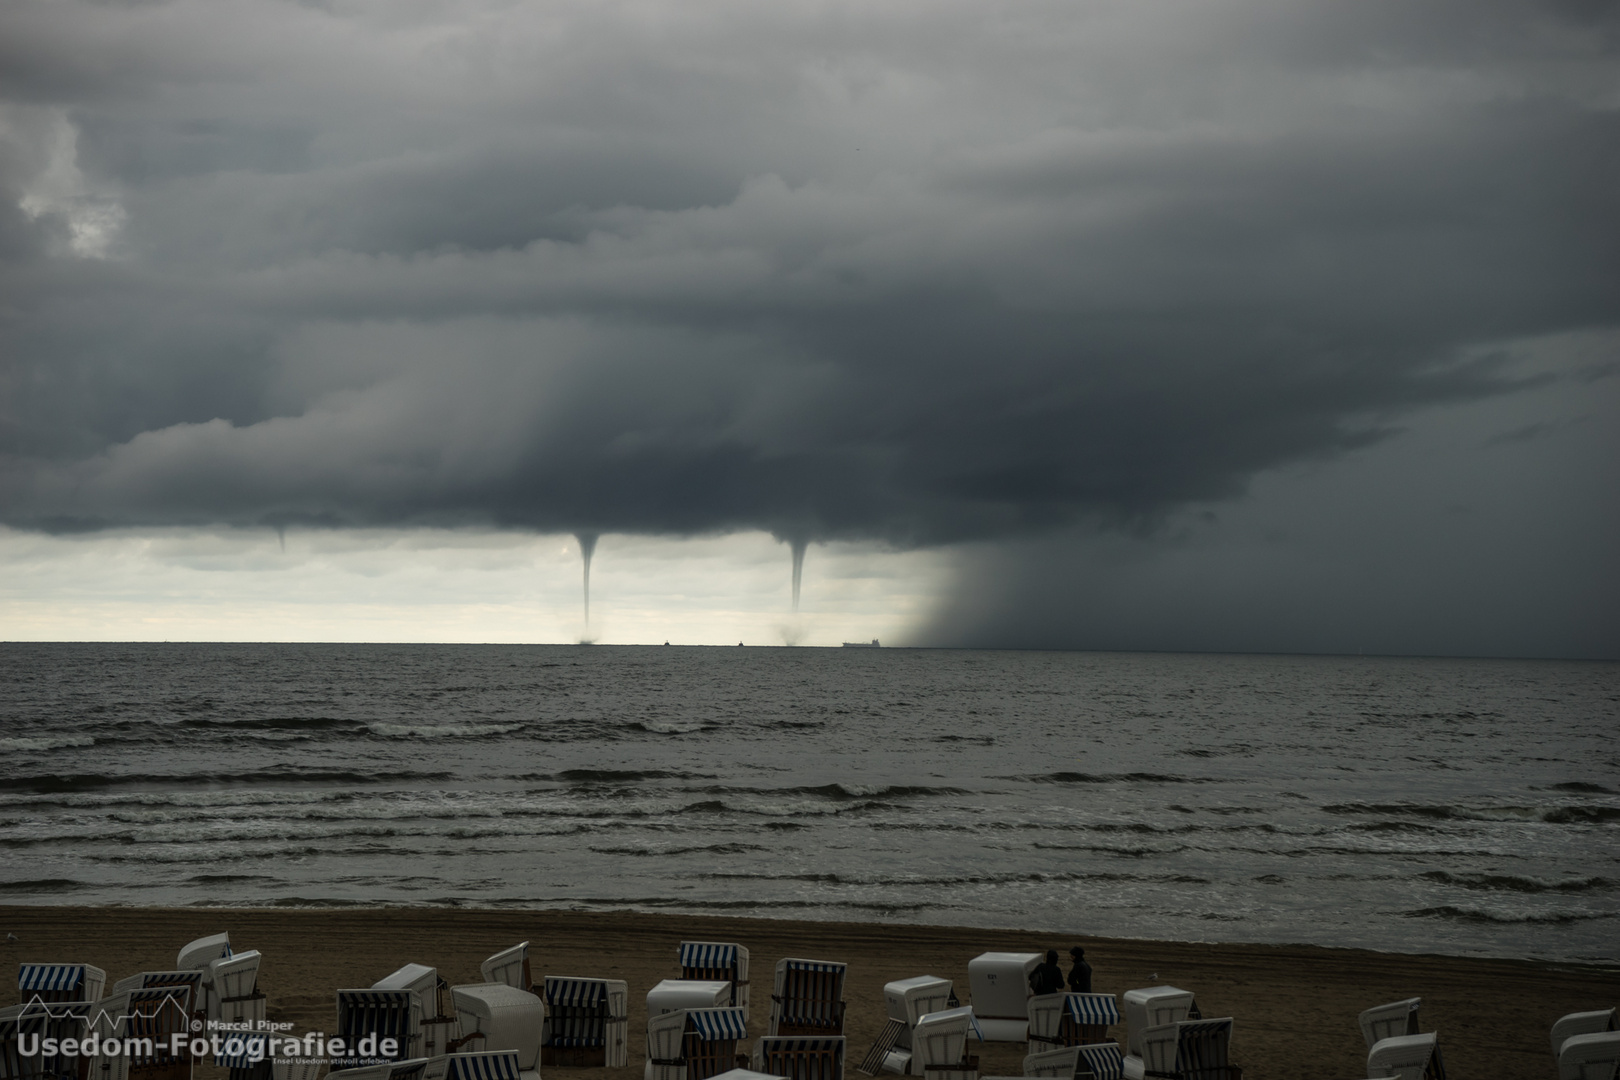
x,y
920,274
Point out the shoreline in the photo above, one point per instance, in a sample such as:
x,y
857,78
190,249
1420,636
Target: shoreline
x,y
1295,1006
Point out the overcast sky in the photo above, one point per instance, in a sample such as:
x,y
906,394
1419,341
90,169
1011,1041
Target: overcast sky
x,y
1246,324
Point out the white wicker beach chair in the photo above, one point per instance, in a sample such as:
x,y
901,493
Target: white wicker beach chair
x,y
495,1016
1407,1057
906,1001
509,966
1071,1019
53,983
1581,1023
235,996
1593,1056
204,951
1152,1007
718,961
999,986
939,1045
437,1028
694,1044
587,1022
1188,1050
1062,1063
1386,1021
800,1058
808,998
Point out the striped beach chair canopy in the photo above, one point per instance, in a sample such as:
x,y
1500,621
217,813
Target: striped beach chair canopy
x,y
388,1014
484,1065
717,1024
575,993
577,1011
1100,1009
708,955
55,978
809,997
1104,1061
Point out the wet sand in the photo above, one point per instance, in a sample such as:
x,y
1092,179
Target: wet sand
x,y
1295,1006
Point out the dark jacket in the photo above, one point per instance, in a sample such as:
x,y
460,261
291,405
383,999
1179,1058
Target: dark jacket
x,y
1046,979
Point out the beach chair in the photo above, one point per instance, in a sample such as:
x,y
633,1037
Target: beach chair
x,y
509,966
234,996
998,983
58,1021
438,1028
1153,1007
711,961
495,1016
409,1069
1407,1057
800,1058
808,998
18,1022
1581,1023
1592,1056
479,1065
939,1045
1062,1063
52,983
694,1044
906,1001
196,956
142,1022
246,1058
1071,1019
1386,1021
1187,1050
378,1027
1100,1061
587,1022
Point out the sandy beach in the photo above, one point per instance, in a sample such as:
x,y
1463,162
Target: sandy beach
x,y
1295,1006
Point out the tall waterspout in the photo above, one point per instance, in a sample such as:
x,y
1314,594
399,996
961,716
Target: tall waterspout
x,y
587,548
798,569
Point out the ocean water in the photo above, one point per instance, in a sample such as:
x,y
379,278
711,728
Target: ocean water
x,y
1418,805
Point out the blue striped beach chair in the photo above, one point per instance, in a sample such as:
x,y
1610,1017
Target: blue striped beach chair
x,y
587,1022
384,1014
59,1020
409,1069
52,983
247,1058
799,1058
808,998
438,1030
1072,1019
718,962
1188,1050
16,1023
484,1065
694,1044
1100,1061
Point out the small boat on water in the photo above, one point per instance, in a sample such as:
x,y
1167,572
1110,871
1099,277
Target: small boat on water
x,y
873,644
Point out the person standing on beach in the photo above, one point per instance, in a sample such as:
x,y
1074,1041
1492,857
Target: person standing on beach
x,y
1080,974
1047,978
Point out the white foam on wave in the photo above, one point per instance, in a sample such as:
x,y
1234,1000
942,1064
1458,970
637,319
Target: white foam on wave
x,y
46,742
